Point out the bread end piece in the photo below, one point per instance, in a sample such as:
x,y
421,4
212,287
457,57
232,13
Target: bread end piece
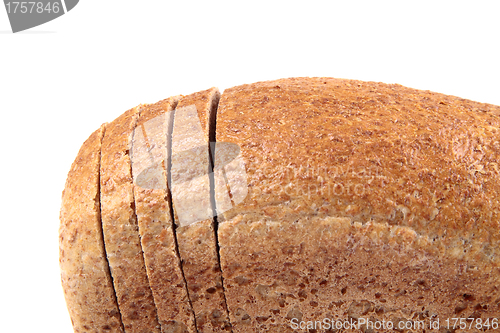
x,y
85,275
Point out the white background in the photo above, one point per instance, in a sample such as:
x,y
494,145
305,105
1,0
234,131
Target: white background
x,y
61,80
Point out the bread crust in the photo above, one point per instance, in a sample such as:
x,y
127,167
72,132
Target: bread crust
x,y
150,152
120,228
196,237
414,164
341,270
85,276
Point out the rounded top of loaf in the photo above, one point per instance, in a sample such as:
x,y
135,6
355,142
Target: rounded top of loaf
x,y
372,152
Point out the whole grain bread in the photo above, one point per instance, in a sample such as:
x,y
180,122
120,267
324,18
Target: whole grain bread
x,y
150,158
86,281
337,200
120,228
191,197
364,200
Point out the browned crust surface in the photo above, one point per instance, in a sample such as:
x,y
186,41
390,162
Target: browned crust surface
x,y
121,235
150,149
203,276
334,268
197,241
86,281
372,153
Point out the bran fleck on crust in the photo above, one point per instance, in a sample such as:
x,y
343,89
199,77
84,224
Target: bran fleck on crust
x,y
197,241
85,276
364,199
121,235
150,153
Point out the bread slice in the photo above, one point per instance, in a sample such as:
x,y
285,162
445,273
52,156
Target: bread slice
x,y
366,201
85,276
119,222
192,203
150,153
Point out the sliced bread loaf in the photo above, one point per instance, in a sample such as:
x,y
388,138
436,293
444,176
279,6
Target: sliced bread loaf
x,y
343,203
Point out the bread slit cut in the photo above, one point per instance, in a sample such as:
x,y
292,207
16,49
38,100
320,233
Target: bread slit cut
x,y
85,275
365,201
150,157
192,203
120,228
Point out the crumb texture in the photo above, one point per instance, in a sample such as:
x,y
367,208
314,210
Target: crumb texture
x,y
362,197
91,301
149,158
120,228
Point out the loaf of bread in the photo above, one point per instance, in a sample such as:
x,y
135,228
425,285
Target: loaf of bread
x,y
339,205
